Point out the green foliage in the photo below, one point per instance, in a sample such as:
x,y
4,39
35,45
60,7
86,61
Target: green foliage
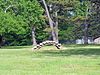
x,y
71,15
10,23
94,19
17,19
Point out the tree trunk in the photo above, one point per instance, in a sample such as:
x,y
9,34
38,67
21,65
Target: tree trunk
x,y
50,21
86,34
86,27
0,41
56,27
33,37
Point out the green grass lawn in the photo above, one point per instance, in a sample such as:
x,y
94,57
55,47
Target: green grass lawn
x,y
70,60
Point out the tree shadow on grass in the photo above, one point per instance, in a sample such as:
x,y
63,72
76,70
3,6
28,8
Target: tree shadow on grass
x,y
15,47
69,52
81,45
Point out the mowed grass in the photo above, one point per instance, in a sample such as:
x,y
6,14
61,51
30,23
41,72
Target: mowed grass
x,y
70,60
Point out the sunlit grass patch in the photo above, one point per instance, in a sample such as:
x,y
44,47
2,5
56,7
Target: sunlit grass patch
x,y
70,60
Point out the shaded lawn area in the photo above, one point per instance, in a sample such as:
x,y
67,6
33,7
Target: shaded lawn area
x,y
70,60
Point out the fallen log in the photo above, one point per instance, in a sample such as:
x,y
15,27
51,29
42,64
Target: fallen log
x,y
38,46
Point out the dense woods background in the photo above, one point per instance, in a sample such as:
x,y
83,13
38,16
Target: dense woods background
x,y
26,22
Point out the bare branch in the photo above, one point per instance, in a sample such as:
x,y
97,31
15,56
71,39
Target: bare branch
x,y
8,8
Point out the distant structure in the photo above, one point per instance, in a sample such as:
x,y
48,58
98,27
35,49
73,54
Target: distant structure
x,y
81,41
97,40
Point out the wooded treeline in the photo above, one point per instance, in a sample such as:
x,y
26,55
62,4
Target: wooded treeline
x,y
26,22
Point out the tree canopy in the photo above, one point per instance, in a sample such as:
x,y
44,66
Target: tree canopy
x,y
21,21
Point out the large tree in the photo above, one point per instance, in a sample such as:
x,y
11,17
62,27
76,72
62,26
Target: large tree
x,y
51,22
95,18
56,11
21,16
